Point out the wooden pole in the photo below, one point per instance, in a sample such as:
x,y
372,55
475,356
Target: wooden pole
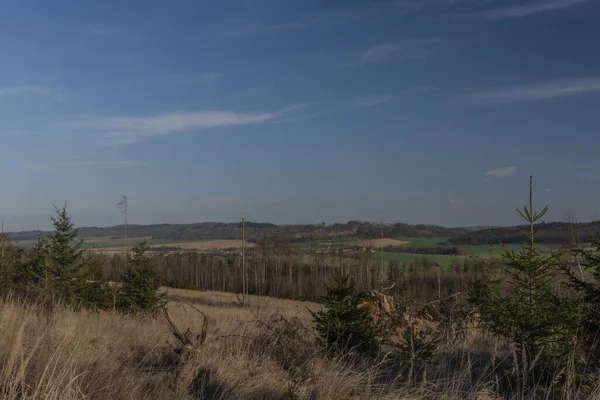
x,y
2,244
244,283
381,253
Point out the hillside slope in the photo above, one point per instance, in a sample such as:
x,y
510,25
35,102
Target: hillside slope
x,y
550,233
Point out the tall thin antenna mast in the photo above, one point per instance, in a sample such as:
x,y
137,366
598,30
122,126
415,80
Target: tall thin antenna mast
x,y
123,207
244,282
2,244
381,251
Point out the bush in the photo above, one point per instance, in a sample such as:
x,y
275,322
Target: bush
x,y
139,293
10,263
584,278
344,325
532,316
57,269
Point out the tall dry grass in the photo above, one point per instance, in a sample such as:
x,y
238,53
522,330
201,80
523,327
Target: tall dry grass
x,y
265,349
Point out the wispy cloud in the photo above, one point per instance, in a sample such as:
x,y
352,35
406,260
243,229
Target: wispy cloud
x,y
32,90
89,163
487,9
413,48
381,98
240,27
14,134
101,30
126,130
455,201
373,100
421,89
22,90
501,173
479,9
243,27
410,6
538,92
257,90
194,79
527,8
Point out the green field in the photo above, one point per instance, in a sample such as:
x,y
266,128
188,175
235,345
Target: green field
x,y
102,243
424,241
476,251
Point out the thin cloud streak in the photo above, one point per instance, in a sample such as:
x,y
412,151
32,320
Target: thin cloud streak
x,y
240,27
194,79
32,90
374,100
118,131
538,92
525,10
501,173
412,6
22,90
92,163
103,30
413,48
14,134
381,98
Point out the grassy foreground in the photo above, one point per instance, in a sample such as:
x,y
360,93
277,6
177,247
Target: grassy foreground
x,y
263,350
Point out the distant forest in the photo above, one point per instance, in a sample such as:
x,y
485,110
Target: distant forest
x,y
548,233
551,233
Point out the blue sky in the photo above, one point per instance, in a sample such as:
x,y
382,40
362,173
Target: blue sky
x,y
288,111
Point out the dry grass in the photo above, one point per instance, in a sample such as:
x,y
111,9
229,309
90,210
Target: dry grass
x,y
210,244
265,349
201,245
371,243
62,354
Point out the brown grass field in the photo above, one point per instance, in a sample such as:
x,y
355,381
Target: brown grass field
x,y
372,243
210,245
201,245
64,355
265,349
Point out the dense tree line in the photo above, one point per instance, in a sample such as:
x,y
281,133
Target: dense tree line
x,y
446,250
59,270
547,233
279,271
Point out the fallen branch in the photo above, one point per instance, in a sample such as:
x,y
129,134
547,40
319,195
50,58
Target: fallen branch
x,y
185,341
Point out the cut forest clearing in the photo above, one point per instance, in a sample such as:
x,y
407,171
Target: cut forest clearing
x,y
370,243
202,245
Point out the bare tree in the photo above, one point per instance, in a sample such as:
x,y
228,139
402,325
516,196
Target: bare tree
x,y
123,207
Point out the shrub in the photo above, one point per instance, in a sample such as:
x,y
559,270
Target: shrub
x,y
139,293
531,316
35,270
344,325
66,275
585,281
59,268
10,262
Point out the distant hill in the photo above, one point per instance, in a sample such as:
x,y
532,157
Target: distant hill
x,y
482,227
552,232
176,232
256,231
549,233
